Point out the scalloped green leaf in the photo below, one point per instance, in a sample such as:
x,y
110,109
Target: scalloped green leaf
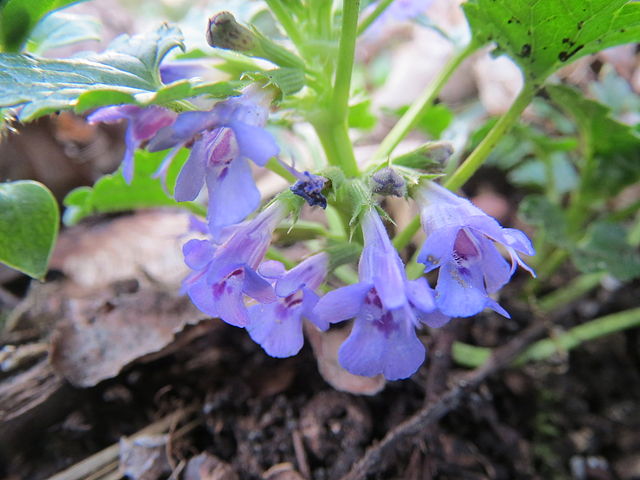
x,y
29,221
543,35
42,86
614,146
59,29
19,17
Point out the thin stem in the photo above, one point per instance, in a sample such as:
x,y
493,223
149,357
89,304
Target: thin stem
x,y
578,287
403,238
411,117
373,16
346,56
482,151
472,356
276,167
283,16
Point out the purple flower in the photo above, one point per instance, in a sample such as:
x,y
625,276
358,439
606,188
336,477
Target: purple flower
x,y
397,11
224,274
461,242
277,326
309,187
222,141
387,309
144,123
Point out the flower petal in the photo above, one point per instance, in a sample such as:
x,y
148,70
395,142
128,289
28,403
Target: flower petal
x,y
342,303
197,253
232,195
421,295
460,292
397,353
496,269
309,273
276,329
257,287
191,177
255,142
438,247
183,129
272,269
230,302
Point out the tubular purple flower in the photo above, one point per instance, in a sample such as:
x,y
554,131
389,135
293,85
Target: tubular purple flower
x,y
277,326
387,308
224,273
223,139
461,242
144,123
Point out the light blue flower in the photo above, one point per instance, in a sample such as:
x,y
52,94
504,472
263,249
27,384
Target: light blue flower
x,y
387,308
461,242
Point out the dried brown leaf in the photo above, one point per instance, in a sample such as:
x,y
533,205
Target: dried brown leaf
x,y
98,338
325,346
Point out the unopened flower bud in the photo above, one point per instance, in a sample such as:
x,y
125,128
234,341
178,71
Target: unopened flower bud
x,y
310,188
224,32
387,181
429,157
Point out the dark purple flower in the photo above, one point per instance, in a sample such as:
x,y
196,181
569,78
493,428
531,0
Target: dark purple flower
x,y
222,140
387,308
225,273
461,242
144,123
310,188
277,326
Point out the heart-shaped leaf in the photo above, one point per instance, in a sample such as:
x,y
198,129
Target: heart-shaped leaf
x,y
29,221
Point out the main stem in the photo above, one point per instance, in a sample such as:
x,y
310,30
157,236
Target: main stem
x,y
411,117
332,125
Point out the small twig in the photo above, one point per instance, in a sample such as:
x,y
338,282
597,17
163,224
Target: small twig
x,y
434,411
301,454
105,459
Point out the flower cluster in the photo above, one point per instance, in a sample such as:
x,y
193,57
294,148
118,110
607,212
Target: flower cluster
x,y
231,280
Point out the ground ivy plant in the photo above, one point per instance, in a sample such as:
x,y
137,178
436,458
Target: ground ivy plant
x,y
186,134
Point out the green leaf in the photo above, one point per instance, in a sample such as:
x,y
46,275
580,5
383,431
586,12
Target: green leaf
x,y
360,115
112,193
42,85
605,248
537,210
59,29
544,35
613,146
19,17
29,221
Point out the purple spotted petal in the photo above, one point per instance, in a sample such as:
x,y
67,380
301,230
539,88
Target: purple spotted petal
x,y
342,303
309,302
255,143
380,263
149,120
394,351
276,329
229,301
461,291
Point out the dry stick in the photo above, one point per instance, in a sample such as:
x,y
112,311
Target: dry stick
x,y
501,358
